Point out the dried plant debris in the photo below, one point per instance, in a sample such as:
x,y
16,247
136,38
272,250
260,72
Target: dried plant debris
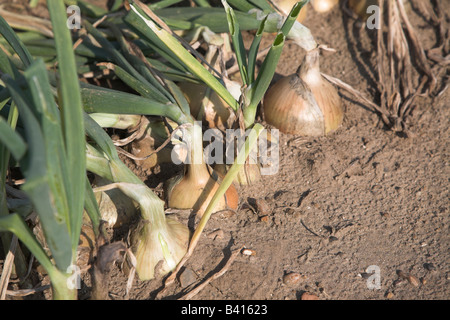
x,y
405,70
409,277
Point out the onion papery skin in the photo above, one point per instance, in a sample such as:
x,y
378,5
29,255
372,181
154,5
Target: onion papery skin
x,y
212,110
304,103
144,147
152,136
196,191
195,188
249,174
148,248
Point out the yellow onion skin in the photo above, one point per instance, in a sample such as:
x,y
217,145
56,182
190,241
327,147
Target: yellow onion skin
x,y
323,6
196,186
285,7
147,248
188,192
248,175
304,103
216,112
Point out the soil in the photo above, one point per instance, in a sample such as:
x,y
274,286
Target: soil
x,y
340,207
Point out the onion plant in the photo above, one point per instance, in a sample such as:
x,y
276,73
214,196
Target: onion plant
x,y
159,96
157,238
49,151
57,111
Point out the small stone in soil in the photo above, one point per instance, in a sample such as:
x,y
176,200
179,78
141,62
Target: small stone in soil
x,y
292,278
227,214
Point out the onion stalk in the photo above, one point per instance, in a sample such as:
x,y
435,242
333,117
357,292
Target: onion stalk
x,y
298,33
285,7
118,121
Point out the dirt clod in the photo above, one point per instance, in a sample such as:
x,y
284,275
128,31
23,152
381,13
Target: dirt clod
x,y
187,277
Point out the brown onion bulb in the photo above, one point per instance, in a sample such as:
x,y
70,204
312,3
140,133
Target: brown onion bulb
x,y
195,188
285,7
206,105
249,174
304,103
323,6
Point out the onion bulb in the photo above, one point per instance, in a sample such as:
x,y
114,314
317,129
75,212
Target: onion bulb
x,y
196,186
285,6
159,242
249,174
152,243
304,103
115,207
323,6
207,106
